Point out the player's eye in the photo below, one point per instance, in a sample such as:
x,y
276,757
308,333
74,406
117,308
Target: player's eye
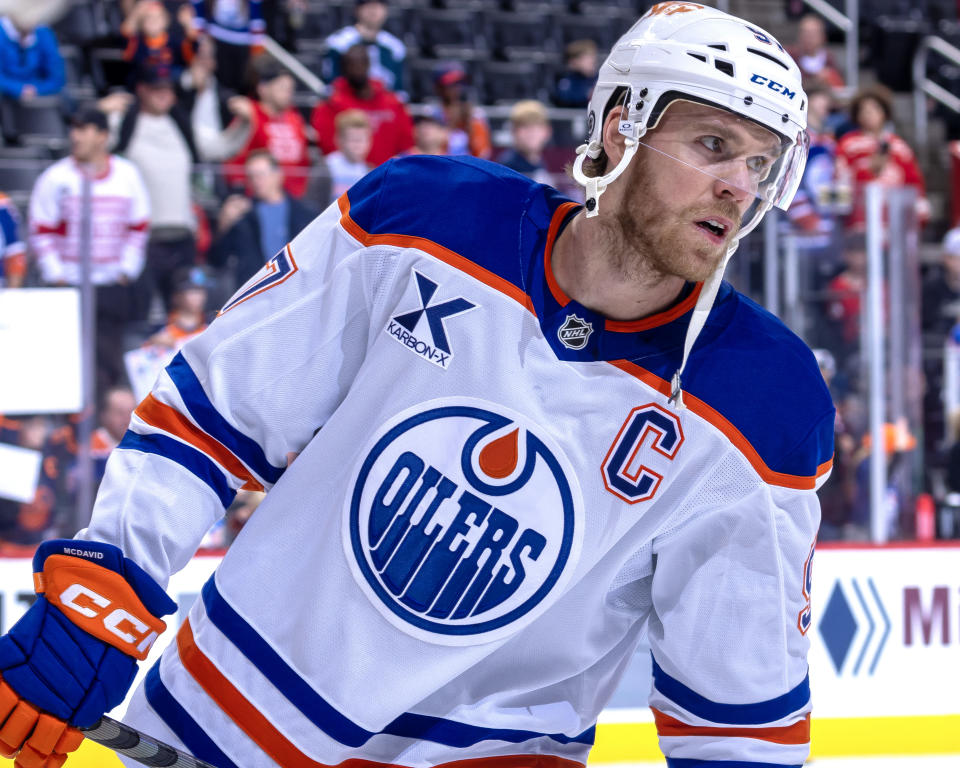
x,y
712,143
760,165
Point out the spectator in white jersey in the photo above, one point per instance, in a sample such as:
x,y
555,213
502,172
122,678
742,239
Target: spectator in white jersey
x,y
387,52
348,164
119,226
527,434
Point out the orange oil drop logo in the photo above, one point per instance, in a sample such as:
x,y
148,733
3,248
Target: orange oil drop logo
x,y
498,458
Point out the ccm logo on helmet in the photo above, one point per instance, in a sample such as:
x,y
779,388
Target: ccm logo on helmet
x,y
118,622
773,85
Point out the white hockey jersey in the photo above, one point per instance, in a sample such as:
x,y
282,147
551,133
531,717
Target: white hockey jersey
x,y
492,498
119,222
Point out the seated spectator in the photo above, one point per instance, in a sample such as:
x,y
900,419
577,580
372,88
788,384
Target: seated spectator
x,y
844,301
155,134
253,229
430,136
811,54
188,310
386,52
531,131
873,152
355,89
119,223
13,253
941,288
154,43
275,125
238,27
469,132
30,61
575,84
812,212
348,164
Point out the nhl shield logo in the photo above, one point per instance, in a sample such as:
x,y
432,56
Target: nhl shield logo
x,y
575,332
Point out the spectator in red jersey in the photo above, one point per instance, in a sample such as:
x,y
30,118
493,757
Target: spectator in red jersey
x,y
276,126
119,222
154,43
811,54
392,126
873,152
469,132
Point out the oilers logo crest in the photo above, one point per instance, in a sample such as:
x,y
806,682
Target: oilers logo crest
x,y
464,521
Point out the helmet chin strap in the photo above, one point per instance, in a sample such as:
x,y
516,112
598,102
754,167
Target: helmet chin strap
x,y
594,186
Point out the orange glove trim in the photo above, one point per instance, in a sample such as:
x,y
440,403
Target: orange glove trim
x,y
33,739
100,602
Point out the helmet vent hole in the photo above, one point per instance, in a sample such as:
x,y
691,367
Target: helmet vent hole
x,y
697,56
724,66
718,46
766,55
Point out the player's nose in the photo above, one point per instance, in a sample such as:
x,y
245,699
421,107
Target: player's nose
x,y
735,183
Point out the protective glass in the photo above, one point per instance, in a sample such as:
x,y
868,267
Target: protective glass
x,y
756,165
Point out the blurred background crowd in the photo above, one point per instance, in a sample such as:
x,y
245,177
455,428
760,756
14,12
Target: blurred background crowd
x,y
164,150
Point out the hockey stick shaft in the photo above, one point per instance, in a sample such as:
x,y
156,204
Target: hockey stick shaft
x,y
140,747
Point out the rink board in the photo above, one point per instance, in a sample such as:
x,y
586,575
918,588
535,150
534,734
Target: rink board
x,y
884,643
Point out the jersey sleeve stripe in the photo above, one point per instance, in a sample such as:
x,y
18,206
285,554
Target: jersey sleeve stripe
x,y
335,724
187,457
180,722
758,713
735,436
686,762
169,419
210,420
436,250
798,733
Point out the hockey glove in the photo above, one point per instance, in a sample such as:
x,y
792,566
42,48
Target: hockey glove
x,y
74,653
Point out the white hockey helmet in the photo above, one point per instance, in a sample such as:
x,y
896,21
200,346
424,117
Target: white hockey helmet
x,y
681,50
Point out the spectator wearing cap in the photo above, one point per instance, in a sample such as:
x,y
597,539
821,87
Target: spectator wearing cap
x,y
530,130
154,43
354,89
469,132
386,52
188,310
119,217
30,61
275,125
153,131
574,85
13,252
347,165
251,229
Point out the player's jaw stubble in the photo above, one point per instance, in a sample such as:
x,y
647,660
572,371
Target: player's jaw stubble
x,y
649,237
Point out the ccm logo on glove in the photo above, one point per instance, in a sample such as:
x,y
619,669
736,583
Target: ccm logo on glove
x,y
100,602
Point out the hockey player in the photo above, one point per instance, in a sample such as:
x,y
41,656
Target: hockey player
x,y
528,432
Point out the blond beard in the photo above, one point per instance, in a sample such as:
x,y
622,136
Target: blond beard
x,y
643,235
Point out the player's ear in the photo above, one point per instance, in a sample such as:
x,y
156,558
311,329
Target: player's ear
x,y
613,140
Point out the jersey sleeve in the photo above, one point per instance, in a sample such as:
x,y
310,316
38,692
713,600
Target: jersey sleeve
x,y
728,632
138,224
239,399
47,226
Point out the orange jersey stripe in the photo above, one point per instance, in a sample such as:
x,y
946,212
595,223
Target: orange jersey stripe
x,y
660,318
437,251
163,416
252,722
558,216
733,434
798,733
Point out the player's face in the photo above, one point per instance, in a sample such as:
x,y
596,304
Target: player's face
x,y
691,182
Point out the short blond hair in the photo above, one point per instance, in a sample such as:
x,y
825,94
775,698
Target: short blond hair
x,y
528,112
351,118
